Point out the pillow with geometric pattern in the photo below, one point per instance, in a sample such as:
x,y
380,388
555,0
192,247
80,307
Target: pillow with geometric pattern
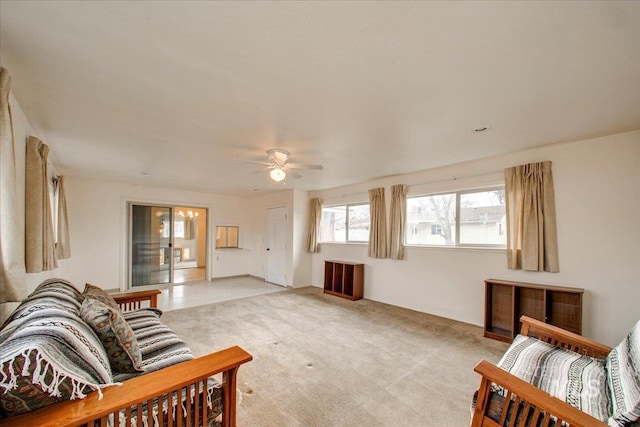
x,y
99,294
116,335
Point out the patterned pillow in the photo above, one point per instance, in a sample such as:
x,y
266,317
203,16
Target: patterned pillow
x,y
581,381
99,294
116,335
623,376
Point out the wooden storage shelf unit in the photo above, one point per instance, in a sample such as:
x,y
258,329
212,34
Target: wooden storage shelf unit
x,y
506,302
344,279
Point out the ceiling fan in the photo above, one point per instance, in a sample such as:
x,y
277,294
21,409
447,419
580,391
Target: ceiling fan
x,y
279,166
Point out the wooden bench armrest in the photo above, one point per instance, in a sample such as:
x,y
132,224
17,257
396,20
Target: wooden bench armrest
x,y
142,389
562,338
133,300
524,392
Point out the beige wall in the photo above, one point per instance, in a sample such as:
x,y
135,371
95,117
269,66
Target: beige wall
x,y
22,130
99,227
597,187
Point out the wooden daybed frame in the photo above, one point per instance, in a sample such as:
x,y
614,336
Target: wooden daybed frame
x,y
144,389
531,398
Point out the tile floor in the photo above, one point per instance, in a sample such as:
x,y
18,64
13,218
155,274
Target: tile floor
x,y
203,292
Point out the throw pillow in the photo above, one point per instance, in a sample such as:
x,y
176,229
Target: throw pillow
x,y
623,376
116,335
100,295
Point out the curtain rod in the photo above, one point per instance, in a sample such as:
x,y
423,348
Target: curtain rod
x,y
453,178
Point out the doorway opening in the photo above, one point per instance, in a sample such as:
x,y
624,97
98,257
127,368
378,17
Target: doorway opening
x,y
168,244
190,244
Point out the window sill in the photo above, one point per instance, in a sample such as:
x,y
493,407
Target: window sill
x,y
429,247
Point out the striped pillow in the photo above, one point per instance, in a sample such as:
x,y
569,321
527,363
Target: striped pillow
x,y
159,345
623,368
581,381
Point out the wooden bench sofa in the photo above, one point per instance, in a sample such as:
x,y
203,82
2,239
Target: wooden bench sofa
x,y
178,394
604,381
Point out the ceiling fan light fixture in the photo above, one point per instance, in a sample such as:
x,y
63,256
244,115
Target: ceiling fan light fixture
x,y
277,174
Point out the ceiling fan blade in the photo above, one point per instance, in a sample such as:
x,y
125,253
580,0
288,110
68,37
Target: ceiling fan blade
x,y
304,166
293,174
259,162
261,170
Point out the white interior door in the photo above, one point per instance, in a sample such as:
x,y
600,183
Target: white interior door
x,y
276,246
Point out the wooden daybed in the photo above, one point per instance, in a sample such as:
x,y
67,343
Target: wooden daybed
x,y
164,389
506,400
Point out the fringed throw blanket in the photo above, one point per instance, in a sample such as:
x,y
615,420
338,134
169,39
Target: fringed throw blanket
x,y
48,353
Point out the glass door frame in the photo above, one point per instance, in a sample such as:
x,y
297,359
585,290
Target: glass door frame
x,y
126,255
130,251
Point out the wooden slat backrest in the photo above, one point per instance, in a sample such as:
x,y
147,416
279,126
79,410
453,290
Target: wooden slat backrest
x,y
562,338
136,391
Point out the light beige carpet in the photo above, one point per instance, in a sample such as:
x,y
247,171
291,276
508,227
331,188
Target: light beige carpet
x,y
320,360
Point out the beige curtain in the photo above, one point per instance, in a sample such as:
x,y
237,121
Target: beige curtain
x,y
378,227
63,244
397,218
13,286
315,213
39,240
532,243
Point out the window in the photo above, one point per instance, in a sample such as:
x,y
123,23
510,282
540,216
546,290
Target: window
x,y
226,236
432,218
178,229
482,217
345,223
53,202
465,218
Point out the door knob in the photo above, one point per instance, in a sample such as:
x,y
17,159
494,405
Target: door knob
x,y
267,248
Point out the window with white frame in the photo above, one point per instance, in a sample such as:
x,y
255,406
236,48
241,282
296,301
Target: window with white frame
x,y
463,218
345,223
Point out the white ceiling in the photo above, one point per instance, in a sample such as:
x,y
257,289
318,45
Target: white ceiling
x,y
180,91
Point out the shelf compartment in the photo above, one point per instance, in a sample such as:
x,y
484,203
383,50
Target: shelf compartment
x,y
344,279
499,311
564,310
530,302
506,302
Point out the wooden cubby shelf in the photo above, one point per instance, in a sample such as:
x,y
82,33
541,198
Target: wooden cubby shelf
x,y
506,302
344,279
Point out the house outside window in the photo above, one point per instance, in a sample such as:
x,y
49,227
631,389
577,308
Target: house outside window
x,y
464,218
345,223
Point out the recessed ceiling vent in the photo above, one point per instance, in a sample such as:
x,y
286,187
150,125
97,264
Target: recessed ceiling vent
x,y
482,129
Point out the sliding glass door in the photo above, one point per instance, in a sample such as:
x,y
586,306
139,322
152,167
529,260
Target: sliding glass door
x,y
151,245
